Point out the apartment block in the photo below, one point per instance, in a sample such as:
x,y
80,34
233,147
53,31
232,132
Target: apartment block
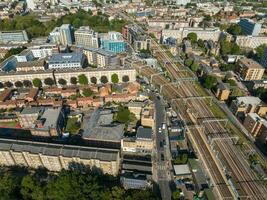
x,y
86,37
62,35
255,124
56,157
248,104
250,70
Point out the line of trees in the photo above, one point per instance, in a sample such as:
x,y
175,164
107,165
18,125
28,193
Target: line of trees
x,y
21,183
81,79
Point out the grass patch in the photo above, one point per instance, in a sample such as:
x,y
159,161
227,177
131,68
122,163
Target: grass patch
x,y
73,125
200,90
12,124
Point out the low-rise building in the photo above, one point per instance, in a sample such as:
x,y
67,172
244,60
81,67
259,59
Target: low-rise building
x,y
136,108
250,69
255,124
147,116
28,116
16,37
49,123
223,91
36,65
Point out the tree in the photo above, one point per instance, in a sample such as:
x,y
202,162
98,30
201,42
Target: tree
x,y
103,79
114,78
87,92
30,188
8,84
62,82
27,83
125,79
195,66
1,85
188,62
210,82
82,79
73,80
9,186
234,29
18,84
200,43
49,81
37,82
176,194
93,80
123,115
235,49
260,51
192,37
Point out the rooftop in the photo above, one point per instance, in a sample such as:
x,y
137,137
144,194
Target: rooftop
x,y
66,58
51,116
57,150
248,100
181,170
31,110
144,133
250,63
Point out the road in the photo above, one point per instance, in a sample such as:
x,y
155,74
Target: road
x,y
162,165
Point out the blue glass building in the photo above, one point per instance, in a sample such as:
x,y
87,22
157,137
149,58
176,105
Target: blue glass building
x,y
113,42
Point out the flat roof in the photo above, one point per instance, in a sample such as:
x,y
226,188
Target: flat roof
x,y
250,63
249,100
31,110
181,169
144,133
58,149
100,127
65,58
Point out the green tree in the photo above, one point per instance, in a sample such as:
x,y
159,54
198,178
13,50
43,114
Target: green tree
x,y
103,79
176,194
37,82
1,85
18,84
27,83
31,189
62,81
9,186
114,78
93,80
200,43
188,62
123,115
73,80
195,66
82,79
49,81
235,49
8,84
125,79
210,82
192,37
260,51
234,29
87,92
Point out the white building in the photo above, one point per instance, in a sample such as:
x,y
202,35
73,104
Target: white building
x,y
182,2
250,41
85,36
31,4
43,51
66,60
181,33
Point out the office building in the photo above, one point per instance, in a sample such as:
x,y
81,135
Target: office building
x,y
16,37
62,35
100,57
56,157
250,27
113,41
86,37
66,60
250,70
249,41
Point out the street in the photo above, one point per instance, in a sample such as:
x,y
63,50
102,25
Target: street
x,y
162,158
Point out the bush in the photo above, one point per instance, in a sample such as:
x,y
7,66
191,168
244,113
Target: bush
x,y
37,82
87,92
114,78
